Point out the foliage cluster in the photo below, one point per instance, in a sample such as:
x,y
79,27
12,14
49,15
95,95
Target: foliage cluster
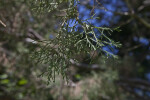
x,y
71,40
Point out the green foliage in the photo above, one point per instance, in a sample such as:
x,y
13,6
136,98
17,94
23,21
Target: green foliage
x,y
49,5
22,82
70,42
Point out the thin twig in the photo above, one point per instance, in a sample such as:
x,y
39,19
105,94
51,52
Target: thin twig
x,y
3,23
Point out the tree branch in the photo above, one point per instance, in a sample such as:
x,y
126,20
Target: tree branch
x,y
3,23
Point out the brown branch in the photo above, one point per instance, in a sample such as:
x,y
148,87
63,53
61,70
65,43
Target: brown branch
x,y
140,19
95,67
92,11
129,84
131,13
134,47
135,81
144,22
3,23
35,34
131,91
130,7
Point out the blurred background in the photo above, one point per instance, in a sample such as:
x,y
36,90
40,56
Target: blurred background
x,y
125,78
